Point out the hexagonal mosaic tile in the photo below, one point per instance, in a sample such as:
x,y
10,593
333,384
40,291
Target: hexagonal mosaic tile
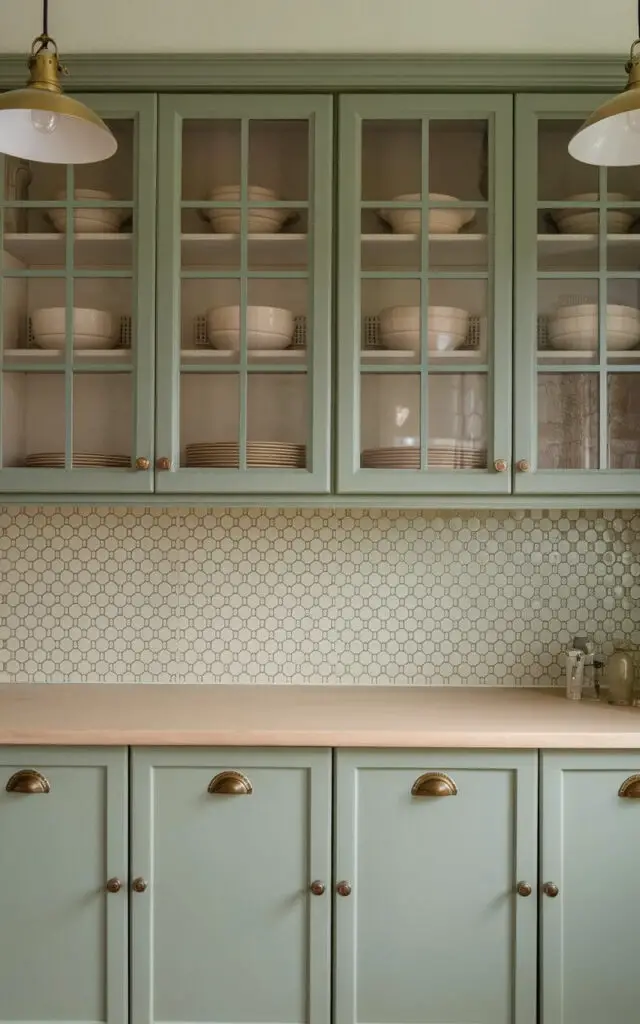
x,y
311,596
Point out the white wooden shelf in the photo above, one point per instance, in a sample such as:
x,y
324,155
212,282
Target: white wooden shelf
x,y
587,356
50,355
46,249
213,355
384,355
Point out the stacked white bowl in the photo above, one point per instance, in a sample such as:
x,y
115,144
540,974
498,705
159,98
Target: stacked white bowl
x,y
400,328
89,220
441,221
261,221
586,222
92,328
268,327
575,328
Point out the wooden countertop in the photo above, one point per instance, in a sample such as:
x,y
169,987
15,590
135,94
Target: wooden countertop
x,y
144,714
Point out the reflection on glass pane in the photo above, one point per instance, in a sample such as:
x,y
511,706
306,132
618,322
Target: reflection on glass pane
x,y
210,314
33,416
211,159
568,320
209,415
102,419
114,176
458,159
277,419
624,420
568,239
391,159
278,160
389,415
559,175
568,421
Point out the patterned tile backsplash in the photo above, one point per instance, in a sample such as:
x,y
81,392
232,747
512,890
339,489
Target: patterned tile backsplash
x,y
301,596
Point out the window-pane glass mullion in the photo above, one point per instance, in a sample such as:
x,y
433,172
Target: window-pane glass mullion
x,y
424,294
69,301
244,243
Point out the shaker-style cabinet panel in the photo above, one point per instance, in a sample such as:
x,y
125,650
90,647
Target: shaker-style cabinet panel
x,y
435,869
424,294
63,888
231,887
77,314
590,887
577,310
244,294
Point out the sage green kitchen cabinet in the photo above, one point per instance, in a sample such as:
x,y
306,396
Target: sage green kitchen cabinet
x,y
244,294
226,845
577,295
77,315
430,851
590,891
63,837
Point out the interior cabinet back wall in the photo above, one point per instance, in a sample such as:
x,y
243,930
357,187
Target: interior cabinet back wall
x,y
310,596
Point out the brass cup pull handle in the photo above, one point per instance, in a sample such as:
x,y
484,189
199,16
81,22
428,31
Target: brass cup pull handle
x,y
139,885
434,784
523,889
143,464
317,888
29,781
114,885
550,889
343,889
630,788
230,784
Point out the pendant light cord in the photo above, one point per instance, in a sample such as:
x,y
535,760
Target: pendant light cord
x,y
45,17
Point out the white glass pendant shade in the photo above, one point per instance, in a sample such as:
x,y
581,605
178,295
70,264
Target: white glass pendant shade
x,y
610,137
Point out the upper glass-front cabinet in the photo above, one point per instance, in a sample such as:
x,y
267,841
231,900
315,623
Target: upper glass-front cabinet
x,y
77,314
244,294
424,311
577,313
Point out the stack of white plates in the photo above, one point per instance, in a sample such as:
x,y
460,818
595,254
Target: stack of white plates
x,y
586,222
226,221
441,454
575,328
81,460
89,220
267,327
400,328
92,328
441,221
260,454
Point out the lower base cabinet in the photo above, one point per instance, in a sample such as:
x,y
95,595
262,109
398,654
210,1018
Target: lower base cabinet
x,y
227,890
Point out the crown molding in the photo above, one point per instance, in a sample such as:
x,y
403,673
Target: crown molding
x,y
199,72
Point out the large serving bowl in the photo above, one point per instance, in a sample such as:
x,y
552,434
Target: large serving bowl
x,y
447,328
441,221
259,222
586,222
268,327
92,328
88,220
575,328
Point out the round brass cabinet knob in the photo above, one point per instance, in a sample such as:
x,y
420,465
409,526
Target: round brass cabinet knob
x,y
550,889
139,885
163,463
143,463
523,889
114,885
343,889
317,888
501,465
523,466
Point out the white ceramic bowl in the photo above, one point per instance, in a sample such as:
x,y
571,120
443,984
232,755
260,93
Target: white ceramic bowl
x,y
446,328
259,222
92,328
268,327
591,310
88,220
441,221
586,222
227,193
98,195
587,341
575,328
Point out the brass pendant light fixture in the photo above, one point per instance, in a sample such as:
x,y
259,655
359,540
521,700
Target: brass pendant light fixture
x,y
610,137
40,123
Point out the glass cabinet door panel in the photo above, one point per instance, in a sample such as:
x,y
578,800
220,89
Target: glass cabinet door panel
x,y
576,430
251,190
424,283
77,295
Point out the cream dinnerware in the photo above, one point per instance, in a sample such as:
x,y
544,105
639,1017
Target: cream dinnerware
x,y
268,327
441,220
91,328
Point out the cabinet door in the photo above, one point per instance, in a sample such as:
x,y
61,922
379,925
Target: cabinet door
x,y
244,279
577,313
424,301
229,842
433,929
63,835
77,326
590,848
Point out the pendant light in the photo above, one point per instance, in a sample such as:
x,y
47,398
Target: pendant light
x,y
610,137
40,123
